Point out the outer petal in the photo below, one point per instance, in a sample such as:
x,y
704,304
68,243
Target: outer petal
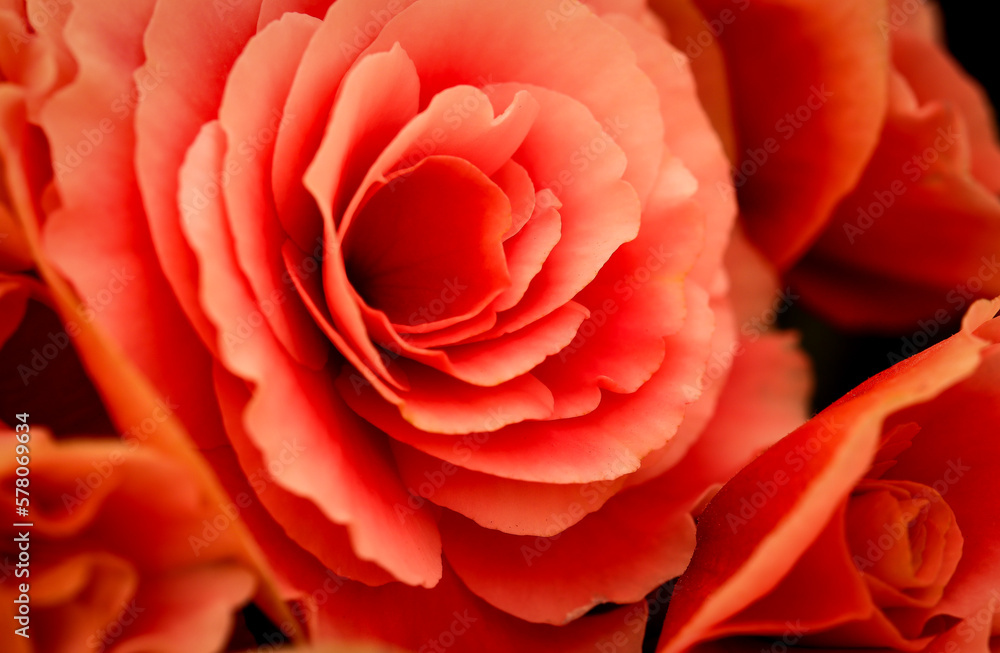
x,y
617,554
447,615
691,139
263,72
362,493
98,238
763,398
188,84
686,28
820,111
515,507
451,614
297,515
937,78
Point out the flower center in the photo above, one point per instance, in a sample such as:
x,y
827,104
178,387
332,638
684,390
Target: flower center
x,y
427,244
904,538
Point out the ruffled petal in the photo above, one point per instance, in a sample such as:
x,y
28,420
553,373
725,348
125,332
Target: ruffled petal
x,y
605,444
263,71
98,238
603,76
362,492
614,555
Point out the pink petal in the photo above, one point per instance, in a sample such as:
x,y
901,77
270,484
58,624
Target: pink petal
x,y
451,614
182,90
515,507
935,77
636,301
690,138
519,352
99,236
172,621
412,246
517,185
527,251
298,516
440,404
485,140
603,445
482,140
263,72
356,135
764,397
617,554
347,472
599,211
329,55
603,76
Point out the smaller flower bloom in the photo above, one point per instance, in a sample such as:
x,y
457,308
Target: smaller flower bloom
x,y
882,500
107,560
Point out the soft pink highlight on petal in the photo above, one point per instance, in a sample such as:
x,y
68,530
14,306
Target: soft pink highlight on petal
x,y
603,76
527,251
99,236
603,445
440,404
356,135
329,55
262,72
363,490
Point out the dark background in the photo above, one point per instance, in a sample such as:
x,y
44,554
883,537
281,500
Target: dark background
x,y
972,38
